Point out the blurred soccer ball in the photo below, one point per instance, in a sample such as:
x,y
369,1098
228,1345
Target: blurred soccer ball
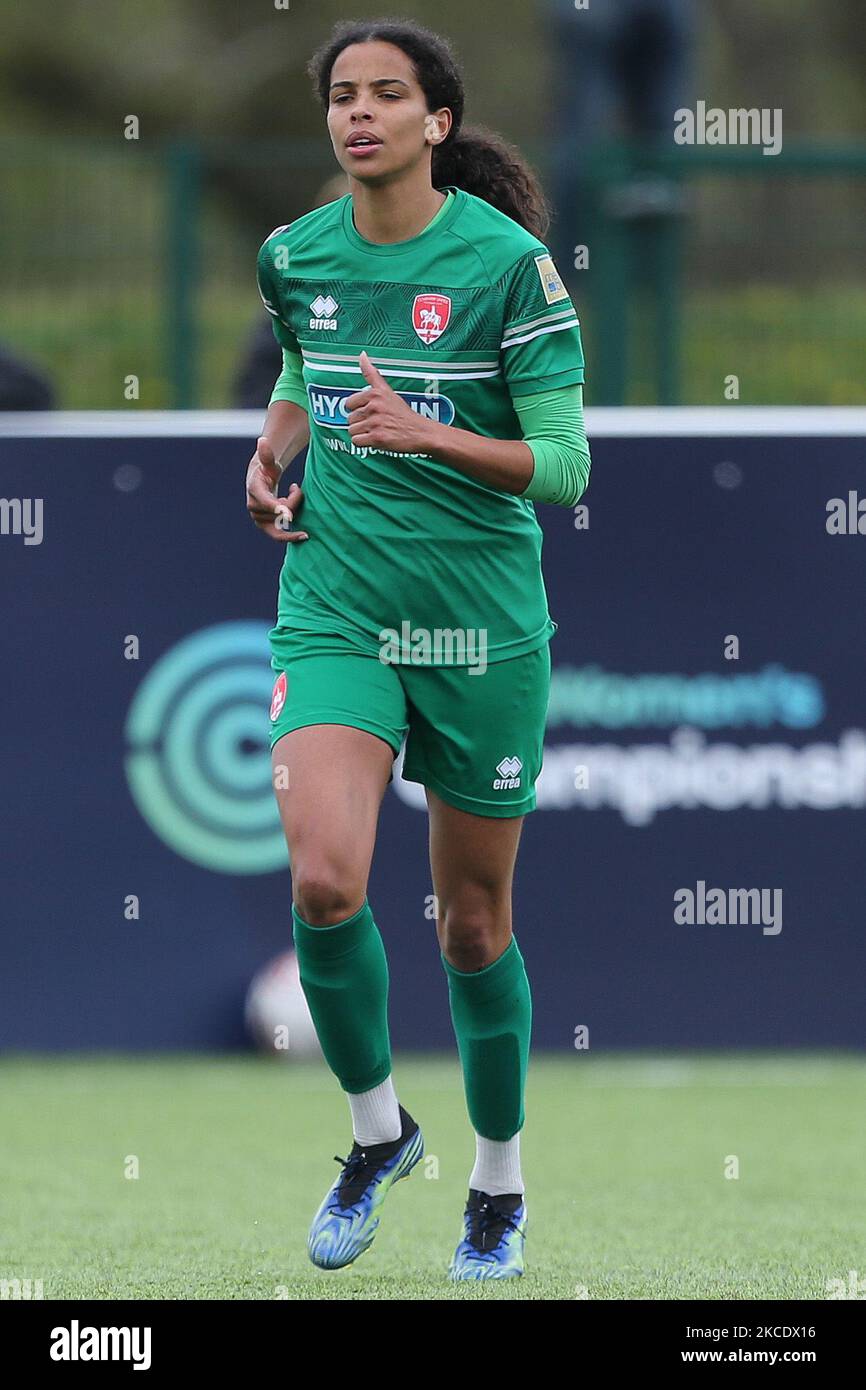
x,y
276,1012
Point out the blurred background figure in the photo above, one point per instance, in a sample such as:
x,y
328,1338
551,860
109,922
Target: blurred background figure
x,y
23,386
262,362
621,69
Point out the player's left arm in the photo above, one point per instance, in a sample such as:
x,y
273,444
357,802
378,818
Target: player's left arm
x,y
553,426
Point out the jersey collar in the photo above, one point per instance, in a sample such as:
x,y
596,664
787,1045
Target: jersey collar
x,y
442,219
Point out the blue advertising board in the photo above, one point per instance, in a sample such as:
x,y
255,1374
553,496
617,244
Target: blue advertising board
x,y
695,873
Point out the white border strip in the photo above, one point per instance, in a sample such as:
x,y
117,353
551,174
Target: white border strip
x,y
617,422
742,421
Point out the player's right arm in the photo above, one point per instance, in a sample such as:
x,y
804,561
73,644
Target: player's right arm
x,y
286,430
285,433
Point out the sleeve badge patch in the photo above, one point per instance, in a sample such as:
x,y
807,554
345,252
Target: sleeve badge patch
x,y
554,289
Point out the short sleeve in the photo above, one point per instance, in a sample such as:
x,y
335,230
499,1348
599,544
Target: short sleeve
x,y
541,346
266,277
289,385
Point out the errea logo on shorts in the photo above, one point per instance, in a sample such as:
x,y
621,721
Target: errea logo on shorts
x,y
324,307
509,774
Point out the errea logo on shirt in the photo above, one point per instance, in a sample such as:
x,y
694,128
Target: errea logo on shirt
x,y
324,308
509,774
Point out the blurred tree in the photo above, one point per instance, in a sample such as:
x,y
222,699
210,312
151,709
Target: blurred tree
x,y
805,56
212,70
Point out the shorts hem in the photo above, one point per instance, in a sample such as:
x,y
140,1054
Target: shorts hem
x,y
306,721
363,645
476,806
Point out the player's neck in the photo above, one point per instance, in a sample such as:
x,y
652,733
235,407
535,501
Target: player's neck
x,y
394,211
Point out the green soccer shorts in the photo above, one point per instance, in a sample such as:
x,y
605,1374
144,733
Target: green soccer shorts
x,y
475,740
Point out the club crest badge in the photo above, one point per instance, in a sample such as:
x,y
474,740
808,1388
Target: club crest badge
x,y
278,699
430,316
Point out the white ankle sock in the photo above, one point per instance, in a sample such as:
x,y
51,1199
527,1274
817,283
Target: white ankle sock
x,y
375,1114
497,1166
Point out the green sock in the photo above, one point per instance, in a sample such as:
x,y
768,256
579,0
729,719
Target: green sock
x,y
492,1014
344,976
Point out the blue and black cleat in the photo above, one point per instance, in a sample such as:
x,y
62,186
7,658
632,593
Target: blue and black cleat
x,y
494,1234
348,1219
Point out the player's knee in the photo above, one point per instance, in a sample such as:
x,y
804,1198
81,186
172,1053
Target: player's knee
x,y
469,933
325,895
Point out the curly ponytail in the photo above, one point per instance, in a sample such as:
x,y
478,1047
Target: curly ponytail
x,y
472,158
481,162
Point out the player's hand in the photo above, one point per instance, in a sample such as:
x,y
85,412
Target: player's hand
x,y
272,514
380,419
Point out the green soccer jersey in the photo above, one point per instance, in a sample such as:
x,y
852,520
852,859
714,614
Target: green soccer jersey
x,y
459,319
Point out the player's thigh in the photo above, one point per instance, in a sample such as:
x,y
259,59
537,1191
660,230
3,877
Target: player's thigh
x,y
337,721
472,858
329,781
472,868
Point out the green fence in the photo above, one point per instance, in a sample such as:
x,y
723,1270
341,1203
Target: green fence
x,y
128,273
708,264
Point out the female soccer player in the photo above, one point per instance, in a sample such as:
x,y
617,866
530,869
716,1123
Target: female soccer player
x,y
432,360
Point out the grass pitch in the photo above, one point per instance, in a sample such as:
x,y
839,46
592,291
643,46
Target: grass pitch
x,y
196,1177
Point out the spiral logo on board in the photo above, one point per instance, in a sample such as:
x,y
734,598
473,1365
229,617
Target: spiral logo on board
x,y
198,762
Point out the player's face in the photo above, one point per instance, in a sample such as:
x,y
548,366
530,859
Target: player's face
x,y
375,95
